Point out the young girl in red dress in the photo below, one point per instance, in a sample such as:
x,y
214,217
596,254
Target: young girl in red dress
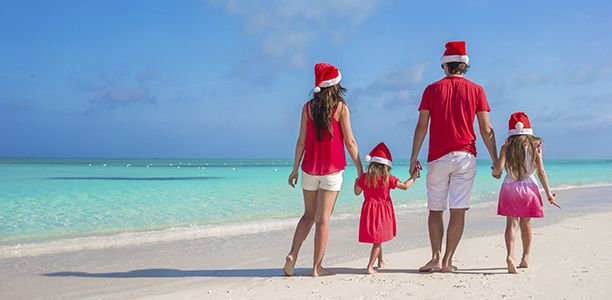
x,y
377,222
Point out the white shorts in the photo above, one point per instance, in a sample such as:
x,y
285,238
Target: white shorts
x,y
450,179
331,182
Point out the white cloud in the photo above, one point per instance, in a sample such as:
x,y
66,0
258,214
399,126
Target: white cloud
x,y
286,28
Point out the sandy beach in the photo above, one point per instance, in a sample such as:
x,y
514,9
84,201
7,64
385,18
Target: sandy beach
x,y
569,261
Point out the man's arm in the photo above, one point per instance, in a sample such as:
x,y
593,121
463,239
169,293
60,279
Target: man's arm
x,y
487,134
419,136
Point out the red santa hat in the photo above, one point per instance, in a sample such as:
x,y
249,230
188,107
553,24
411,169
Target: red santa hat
x,y
519,124
380,154
326,75
455,52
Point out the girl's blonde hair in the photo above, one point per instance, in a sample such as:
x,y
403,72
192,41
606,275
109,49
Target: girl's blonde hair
x,y
322,107
515,154
375,171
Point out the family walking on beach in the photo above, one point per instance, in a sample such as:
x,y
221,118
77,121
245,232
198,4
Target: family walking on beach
x,y
447,110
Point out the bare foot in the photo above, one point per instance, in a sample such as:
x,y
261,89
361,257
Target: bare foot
x,y
371,270
320,271
382,264
448,269
431,266
511,266
524,263
289,265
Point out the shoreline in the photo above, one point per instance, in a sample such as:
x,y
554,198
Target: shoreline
x,y
193,232
255,260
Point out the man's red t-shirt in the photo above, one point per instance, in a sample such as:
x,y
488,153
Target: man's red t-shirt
x,y
452,103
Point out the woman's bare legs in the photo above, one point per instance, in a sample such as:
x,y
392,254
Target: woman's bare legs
x,y
511,224
525,224
325,205
301,230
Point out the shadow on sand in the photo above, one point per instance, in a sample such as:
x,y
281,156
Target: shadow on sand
x,y
169,273
276,272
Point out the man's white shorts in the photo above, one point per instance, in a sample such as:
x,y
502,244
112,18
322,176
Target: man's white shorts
x,y
449,181
331,182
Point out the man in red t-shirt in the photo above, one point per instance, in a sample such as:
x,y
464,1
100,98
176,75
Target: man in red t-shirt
x,y
448,108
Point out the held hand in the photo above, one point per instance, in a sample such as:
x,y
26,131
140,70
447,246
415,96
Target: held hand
x,y
551,197
496,174
412,166
293,177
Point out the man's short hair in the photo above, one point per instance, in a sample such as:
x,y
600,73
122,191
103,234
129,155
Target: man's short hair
x,y
457,68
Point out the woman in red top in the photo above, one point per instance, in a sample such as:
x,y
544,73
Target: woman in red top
x,y
324,132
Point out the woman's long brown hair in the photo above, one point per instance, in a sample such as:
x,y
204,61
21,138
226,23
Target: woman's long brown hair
x,y
322,107
375,171
515,154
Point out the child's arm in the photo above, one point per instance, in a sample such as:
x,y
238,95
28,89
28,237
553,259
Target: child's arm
x,y
541,172
498,166
408,183
356,188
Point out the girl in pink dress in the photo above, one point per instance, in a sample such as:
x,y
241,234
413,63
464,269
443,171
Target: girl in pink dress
x,y
519,198
377,222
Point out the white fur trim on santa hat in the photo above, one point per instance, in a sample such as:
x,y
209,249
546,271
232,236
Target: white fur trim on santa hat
x,y
455,58
381,160
331,82
520,131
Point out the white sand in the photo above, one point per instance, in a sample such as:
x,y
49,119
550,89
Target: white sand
x,y
570,260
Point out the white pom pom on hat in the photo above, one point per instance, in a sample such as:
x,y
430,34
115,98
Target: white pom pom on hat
x,y
367,158
519,125
316,89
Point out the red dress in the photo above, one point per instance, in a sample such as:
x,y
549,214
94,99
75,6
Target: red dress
x,y
377,222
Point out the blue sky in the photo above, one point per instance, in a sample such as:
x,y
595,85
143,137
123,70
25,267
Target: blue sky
x,y
228,78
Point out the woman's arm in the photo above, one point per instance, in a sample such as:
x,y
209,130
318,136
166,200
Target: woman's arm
x,y
349,139
541,172
498,166
420,131
299,150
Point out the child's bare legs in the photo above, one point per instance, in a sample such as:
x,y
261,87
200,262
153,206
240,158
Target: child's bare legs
x,y
375,254
325,205
301,230
525,224
381,262
511,224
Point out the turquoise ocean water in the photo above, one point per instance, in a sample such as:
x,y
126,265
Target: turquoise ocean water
x,y
46,200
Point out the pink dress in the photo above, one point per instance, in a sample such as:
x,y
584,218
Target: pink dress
x,y
521,198
377,222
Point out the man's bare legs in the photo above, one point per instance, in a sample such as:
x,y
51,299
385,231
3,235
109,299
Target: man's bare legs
x,y
435,224
301,230
525,224
511,224
453,236
325,205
